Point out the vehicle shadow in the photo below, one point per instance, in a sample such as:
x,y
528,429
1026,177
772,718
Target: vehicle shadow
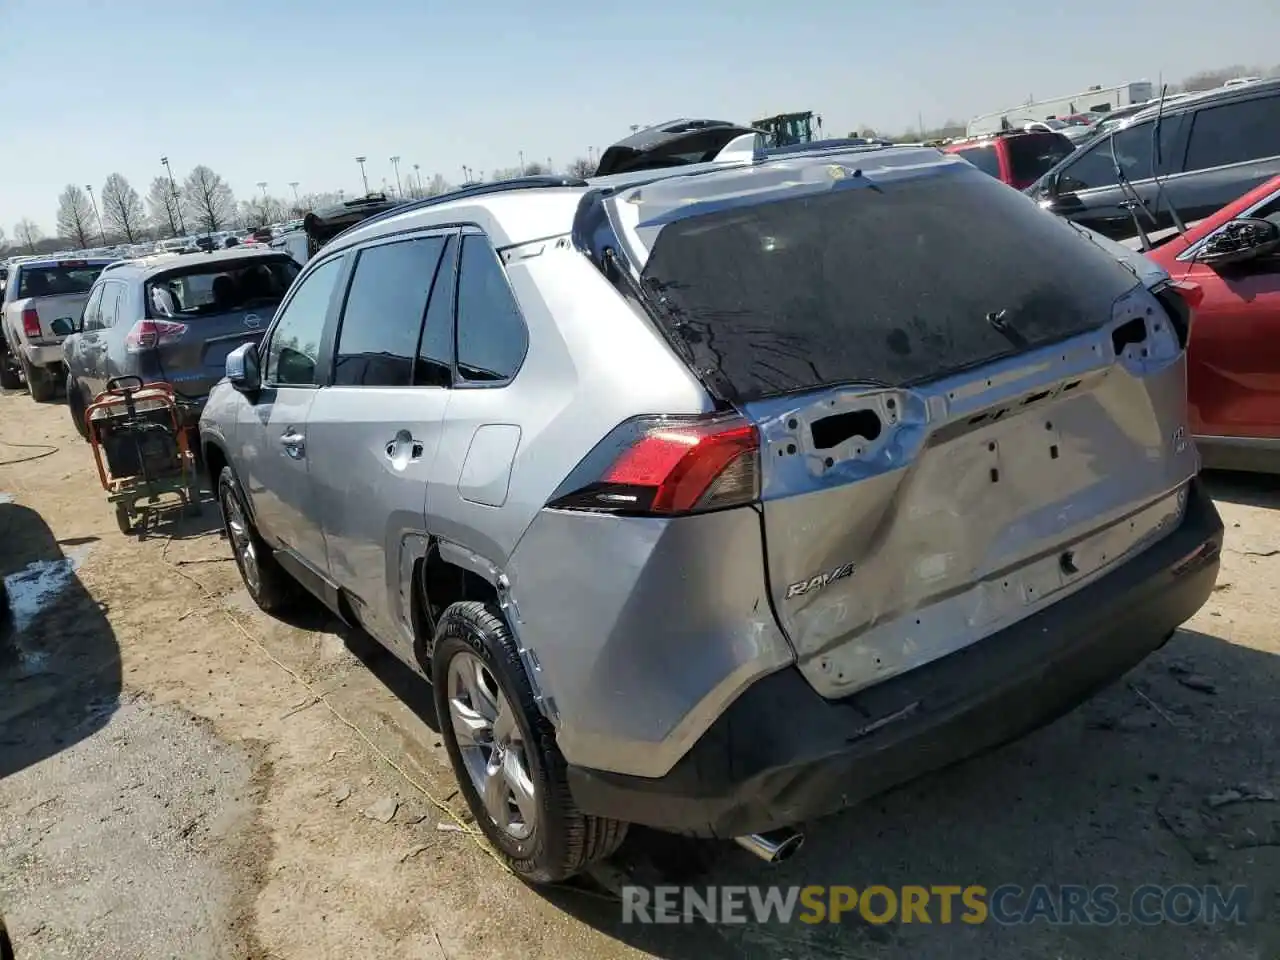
x,y
59,659
1246,489
1131,788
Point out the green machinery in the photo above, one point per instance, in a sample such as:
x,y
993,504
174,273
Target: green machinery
x,y
790,128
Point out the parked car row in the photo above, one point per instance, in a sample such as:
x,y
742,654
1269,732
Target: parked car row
x,y
716,497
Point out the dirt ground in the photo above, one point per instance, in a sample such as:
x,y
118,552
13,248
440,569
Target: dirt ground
x,y
182,776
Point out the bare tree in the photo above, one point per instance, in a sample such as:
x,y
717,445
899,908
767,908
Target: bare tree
x,y
162,206
581,167
75,216
208,200
27,233
122,208
437,185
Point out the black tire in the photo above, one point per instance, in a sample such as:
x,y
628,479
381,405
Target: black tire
x,y
273,590
76,406
565,841
40,383
124,520
10,377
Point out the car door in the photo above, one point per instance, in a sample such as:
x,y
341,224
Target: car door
x,y
97,366
80,346
1231,148
1088,191
1233,358
374,429
272,427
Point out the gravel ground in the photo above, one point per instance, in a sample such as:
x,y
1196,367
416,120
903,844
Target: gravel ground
x,y
181,776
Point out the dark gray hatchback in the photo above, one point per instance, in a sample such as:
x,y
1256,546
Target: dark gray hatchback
x,y
173,319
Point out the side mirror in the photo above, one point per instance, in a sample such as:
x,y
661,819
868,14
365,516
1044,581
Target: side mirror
x,y
63,326
242,368
1240,240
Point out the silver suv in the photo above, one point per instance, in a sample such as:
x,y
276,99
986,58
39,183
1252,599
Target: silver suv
x,y
722,498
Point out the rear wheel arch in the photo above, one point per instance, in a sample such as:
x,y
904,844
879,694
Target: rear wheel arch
x,y
439,581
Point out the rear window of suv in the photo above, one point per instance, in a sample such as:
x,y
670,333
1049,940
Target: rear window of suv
x,y
1034,155
55,281
892,284
226,286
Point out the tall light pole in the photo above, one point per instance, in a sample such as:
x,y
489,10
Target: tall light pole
x,y
395,162
521,154
262,185
418,174
101,231
294,184
361,160
177,204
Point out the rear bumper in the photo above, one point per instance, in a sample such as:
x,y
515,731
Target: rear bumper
x,y
782,754
43,356
1253,454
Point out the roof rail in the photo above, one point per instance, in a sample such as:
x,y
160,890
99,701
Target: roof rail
x,y
471,190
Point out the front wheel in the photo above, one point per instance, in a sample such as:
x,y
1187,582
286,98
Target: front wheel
x,y
504,752
76,406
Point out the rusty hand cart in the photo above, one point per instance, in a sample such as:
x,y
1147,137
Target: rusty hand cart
x,y
141,447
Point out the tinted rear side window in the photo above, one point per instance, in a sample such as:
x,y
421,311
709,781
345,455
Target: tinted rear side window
x,y
1032,156
1235,133
984,158
491,334
382,319
889,285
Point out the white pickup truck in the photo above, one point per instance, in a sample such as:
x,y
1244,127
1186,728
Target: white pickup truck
x,y
43,301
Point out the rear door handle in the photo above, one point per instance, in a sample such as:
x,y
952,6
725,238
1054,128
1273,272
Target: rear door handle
x,y
415,449
294,443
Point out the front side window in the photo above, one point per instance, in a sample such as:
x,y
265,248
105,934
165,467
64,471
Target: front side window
x,y
110,302
90,320
492,338
382,319
1235,133
1134,150
295,341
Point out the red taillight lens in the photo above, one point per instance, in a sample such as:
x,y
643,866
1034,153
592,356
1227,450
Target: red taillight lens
x,y
31,322
149,334
667,466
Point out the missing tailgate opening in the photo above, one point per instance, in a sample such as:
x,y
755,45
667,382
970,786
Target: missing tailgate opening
x,y
1135,331
832,431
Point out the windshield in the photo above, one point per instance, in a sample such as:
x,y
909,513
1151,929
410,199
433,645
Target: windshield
x,y
55,281
225,287
1032,156
892,284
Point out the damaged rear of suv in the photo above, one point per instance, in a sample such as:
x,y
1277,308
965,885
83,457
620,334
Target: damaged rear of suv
x,y
950,442
723,498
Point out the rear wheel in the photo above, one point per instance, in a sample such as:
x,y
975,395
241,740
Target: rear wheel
x,y
10,376
504,752
264,578
40,383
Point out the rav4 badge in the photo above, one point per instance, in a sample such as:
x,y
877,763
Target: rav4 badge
x,y
813,584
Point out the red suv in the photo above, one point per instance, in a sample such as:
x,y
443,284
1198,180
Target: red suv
x,y
1017,157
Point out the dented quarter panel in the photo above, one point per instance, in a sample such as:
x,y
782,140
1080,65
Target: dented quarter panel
x,y
957,515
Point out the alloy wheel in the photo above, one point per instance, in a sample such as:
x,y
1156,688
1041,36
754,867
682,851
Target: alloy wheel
x,y
492,746
241,537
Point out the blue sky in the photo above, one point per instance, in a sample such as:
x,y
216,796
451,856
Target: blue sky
x,y
282,90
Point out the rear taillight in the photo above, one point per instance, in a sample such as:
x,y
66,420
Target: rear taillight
x,y
149,334
30,322
667,466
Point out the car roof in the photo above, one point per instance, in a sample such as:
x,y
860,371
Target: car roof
x,y
64,261
144,268
527,209
1193,101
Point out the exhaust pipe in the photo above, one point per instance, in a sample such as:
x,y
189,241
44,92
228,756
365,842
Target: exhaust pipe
x,y
774,846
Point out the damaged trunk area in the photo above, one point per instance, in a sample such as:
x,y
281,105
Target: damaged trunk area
x,y
966,409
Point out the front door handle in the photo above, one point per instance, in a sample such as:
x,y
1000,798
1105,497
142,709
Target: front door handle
x,y
294,443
